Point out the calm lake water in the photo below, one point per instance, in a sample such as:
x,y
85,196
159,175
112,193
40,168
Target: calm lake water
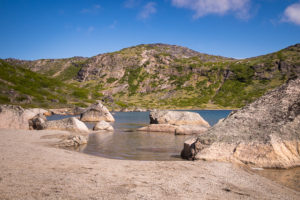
x,y
126,143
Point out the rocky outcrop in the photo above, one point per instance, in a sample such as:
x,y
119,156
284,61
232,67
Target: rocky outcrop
x,y
177,118
95,113
73,141
15,117
68,124
103,125
264,133
177,122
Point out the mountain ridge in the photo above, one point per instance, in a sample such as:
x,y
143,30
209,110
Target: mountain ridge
x,y
170,76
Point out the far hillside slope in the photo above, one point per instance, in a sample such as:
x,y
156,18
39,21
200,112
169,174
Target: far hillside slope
x,y
170,76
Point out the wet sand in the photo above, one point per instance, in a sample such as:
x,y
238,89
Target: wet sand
x,y
31,168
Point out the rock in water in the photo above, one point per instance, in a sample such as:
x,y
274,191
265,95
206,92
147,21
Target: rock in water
x,y
265,133
73,141
177,122
103,125
177,118
68,124
96,113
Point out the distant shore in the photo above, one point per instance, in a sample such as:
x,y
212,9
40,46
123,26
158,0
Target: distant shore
x,y
32,168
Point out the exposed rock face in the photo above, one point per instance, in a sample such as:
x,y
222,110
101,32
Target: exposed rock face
x,y
167,128
13,117
177,118
265,133
95,113
177,122
73,141
37,122
103,125
68,124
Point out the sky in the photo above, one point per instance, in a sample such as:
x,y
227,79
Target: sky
x,y
35,29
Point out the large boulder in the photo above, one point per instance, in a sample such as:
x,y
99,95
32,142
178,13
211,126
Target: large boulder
x,y
13,117
68,124
95,113
265,133
177,118
176,122
103,125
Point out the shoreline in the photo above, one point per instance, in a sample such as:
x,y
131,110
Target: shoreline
x,y
31,168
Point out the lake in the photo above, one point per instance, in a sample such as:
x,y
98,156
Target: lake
x,y
127,143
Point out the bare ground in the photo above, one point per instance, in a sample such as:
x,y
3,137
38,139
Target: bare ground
x,y
31,168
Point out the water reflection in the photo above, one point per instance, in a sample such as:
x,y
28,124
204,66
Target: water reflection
x,y
287,177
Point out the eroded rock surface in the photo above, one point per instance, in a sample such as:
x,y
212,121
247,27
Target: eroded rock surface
x,y
15,117
177,122
68,124
95,113
265,133
177,118
103,125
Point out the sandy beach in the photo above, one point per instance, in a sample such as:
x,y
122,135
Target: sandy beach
x,y
32,168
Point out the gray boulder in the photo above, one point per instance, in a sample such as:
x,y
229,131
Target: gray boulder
x,y
95,113
103,125
177,118
176,122
265,133
13,117
68,124
73,141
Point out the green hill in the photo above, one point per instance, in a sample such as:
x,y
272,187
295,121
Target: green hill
x,y
161,76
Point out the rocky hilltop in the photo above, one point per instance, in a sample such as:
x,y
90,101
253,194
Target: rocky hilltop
x,y
265,133
167,76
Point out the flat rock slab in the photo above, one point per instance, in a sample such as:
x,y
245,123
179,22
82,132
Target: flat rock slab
x,y
175,129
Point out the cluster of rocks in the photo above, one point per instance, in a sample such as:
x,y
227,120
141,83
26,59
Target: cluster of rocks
x,y
15,117
176,122
265,133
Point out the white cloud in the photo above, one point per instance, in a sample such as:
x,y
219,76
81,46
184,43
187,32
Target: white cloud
x,y
292,14
220,7
148,9
93,10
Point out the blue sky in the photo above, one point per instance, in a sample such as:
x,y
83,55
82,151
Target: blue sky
x,y
34,29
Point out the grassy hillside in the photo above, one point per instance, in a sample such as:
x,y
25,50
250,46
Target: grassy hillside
x,y
30,89
167,76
